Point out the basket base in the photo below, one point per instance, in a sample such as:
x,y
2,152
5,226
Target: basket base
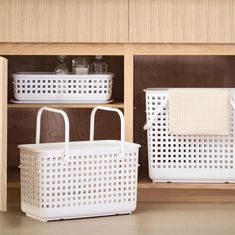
x,y
188,176
61,101
77,217
195,181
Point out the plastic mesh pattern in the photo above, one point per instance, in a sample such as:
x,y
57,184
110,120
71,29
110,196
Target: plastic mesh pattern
x,y
63,89
48,183
187,158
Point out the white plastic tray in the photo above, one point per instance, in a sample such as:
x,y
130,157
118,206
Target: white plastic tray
x,y
70,87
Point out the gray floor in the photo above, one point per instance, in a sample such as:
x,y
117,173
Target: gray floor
x,y
149,218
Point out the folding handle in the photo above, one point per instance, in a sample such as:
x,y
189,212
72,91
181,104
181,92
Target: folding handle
x,y
232,103
122,120
66,122
149,124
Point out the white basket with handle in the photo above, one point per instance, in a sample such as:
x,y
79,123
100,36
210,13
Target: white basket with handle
x,y
78,179
186,158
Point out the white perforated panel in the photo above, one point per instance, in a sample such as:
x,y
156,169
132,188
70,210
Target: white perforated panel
x,y
90,184
186,158
73,87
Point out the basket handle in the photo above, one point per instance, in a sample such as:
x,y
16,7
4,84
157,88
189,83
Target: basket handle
x,y
66,122
92,124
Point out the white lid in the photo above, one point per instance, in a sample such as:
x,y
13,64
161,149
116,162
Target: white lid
x,y
82,146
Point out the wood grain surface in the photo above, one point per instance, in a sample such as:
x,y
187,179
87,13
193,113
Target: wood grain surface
x,y
64,21
182,21
3,134
62,48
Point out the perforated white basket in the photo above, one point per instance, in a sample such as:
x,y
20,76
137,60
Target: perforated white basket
x,y
45,86
186,157
78,179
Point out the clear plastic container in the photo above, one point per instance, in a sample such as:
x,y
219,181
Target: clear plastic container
x,y
99,66
80,65
61,67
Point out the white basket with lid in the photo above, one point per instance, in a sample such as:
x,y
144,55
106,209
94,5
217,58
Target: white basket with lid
x,y
70,87
78,179
186,158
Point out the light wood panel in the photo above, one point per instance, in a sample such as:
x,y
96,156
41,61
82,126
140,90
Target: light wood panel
x,y
186,195
183,49
162,195
64,21
3,134
155,192
184,192
182,21
73,106
115,49
128,91
61,49
146,183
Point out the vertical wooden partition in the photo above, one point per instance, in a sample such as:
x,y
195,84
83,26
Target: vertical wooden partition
x,y
3,134
128,90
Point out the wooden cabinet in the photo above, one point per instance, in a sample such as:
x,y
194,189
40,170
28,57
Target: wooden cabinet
x,y
182,21
103,27
64,21
3,134
118,21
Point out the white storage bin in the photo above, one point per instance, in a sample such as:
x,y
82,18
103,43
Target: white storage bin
x,y
46,87
78,179
186,158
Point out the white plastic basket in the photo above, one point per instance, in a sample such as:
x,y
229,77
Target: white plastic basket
x,y
46,87
78,179
186,158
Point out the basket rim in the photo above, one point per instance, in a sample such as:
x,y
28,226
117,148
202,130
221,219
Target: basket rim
x,y
82,146
50,75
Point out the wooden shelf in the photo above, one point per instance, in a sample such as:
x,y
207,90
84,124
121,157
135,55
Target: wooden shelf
x,y
184,192
13,177
67,105
155,192
145,183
